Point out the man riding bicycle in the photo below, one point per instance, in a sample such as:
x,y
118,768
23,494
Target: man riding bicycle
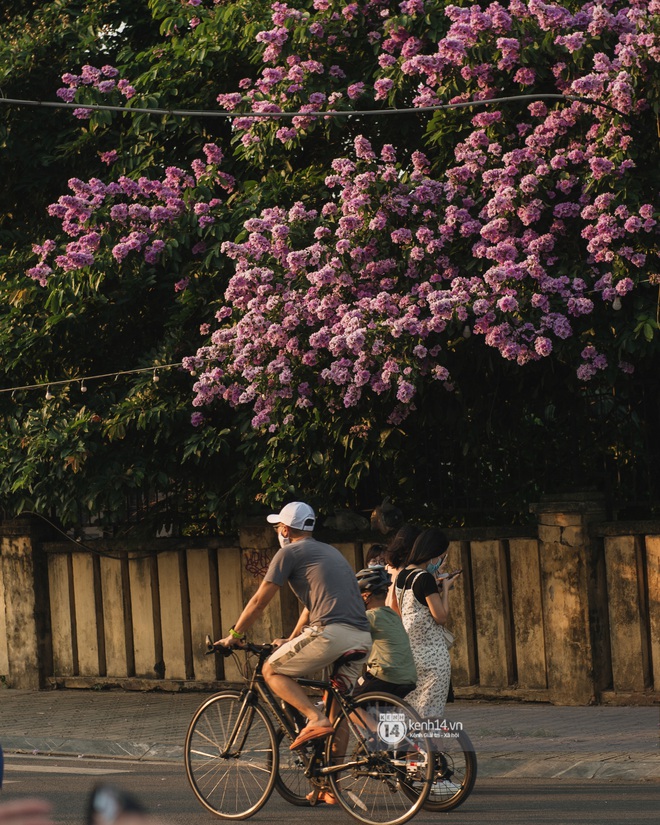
x,y
332,623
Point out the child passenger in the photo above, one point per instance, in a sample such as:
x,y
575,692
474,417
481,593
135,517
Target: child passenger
x,y
390,667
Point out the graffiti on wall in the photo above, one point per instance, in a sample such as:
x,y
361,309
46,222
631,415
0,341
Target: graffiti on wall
x,y
257,561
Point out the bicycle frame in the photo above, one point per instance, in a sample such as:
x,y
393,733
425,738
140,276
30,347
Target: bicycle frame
x,y
257,689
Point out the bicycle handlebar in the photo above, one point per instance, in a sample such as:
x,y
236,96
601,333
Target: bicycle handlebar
x,y
227,651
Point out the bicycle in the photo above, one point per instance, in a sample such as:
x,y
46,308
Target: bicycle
x,y
375,771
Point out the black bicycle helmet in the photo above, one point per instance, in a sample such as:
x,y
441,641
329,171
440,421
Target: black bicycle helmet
x,y
373,579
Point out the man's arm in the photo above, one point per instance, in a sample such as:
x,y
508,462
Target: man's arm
x,y
302,622
252,611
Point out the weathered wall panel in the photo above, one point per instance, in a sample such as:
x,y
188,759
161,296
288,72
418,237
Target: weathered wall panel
x,y
142,612
114,624
230,583
60,615
627,635
203,606
527,609
461,624
85,613
258,546
491,610
566,614
4,651
22,632
653,584
352,552
171,612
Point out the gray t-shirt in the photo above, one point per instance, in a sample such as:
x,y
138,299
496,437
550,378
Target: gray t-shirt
x,y
322,580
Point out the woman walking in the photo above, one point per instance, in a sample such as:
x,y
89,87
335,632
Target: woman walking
x,y
424,605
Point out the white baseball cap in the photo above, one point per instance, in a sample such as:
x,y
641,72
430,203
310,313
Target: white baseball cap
x,y
296,514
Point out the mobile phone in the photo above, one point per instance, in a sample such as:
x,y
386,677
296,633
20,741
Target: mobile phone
x,y
443,576
107,803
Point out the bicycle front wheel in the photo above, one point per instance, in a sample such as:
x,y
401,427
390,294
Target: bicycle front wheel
x,y
231,756
380,764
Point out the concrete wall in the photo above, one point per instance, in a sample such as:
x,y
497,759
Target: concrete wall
x,y
25,639
568,612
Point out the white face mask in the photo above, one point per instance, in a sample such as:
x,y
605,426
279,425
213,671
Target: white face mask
x,y
283,540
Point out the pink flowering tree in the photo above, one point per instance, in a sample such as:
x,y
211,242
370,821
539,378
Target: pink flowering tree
x,y
534,228
374,275
524,225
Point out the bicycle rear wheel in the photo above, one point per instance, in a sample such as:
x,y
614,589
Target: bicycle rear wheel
x,y
291,782
231,756
455,772
386,766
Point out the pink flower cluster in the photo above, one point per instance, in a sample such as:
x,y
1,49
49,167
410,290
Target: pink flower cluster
x,y
366,302
141,212
524,237
105,80
333,309
307,81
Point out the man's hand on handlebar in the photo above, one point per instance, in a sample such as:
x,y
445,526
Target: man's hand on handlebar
x,y
230,641
224,646
225,649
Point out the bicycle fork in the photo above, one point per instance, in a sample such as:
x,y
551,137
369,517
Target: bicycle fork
x,y
244,718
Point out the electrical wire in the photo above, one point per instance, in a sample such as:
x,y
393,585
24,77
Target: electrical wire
x,y
316,114
81,379
94,550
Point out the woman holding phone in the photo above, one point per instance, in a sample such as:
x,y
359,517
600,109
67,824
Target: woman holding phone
x,y
423,596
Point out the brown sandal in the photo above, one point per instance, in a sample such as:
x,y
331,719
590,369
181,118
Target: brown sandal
x,y
309,733
322,797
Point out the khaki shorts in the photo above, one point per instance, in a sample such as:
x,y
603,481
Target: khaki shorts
x,y
319,647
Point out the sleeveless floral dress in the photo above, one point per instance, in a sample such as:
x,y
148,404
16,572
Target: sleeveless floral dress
x,y
429,652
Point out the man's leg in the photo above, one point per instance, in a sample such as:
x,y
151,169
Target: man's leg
x,y
302,656
288,689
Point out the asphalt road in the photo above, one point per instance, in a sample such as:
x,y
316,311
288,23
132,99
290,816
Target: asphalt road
x,y
163,789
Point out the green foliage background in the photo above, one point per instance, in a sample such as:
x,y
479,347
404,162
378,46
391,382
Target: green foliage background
x,y
123,453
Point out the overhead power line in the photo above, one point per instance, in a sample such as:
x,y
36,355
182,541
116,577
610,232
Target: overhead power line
x,y
316,114
81,379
